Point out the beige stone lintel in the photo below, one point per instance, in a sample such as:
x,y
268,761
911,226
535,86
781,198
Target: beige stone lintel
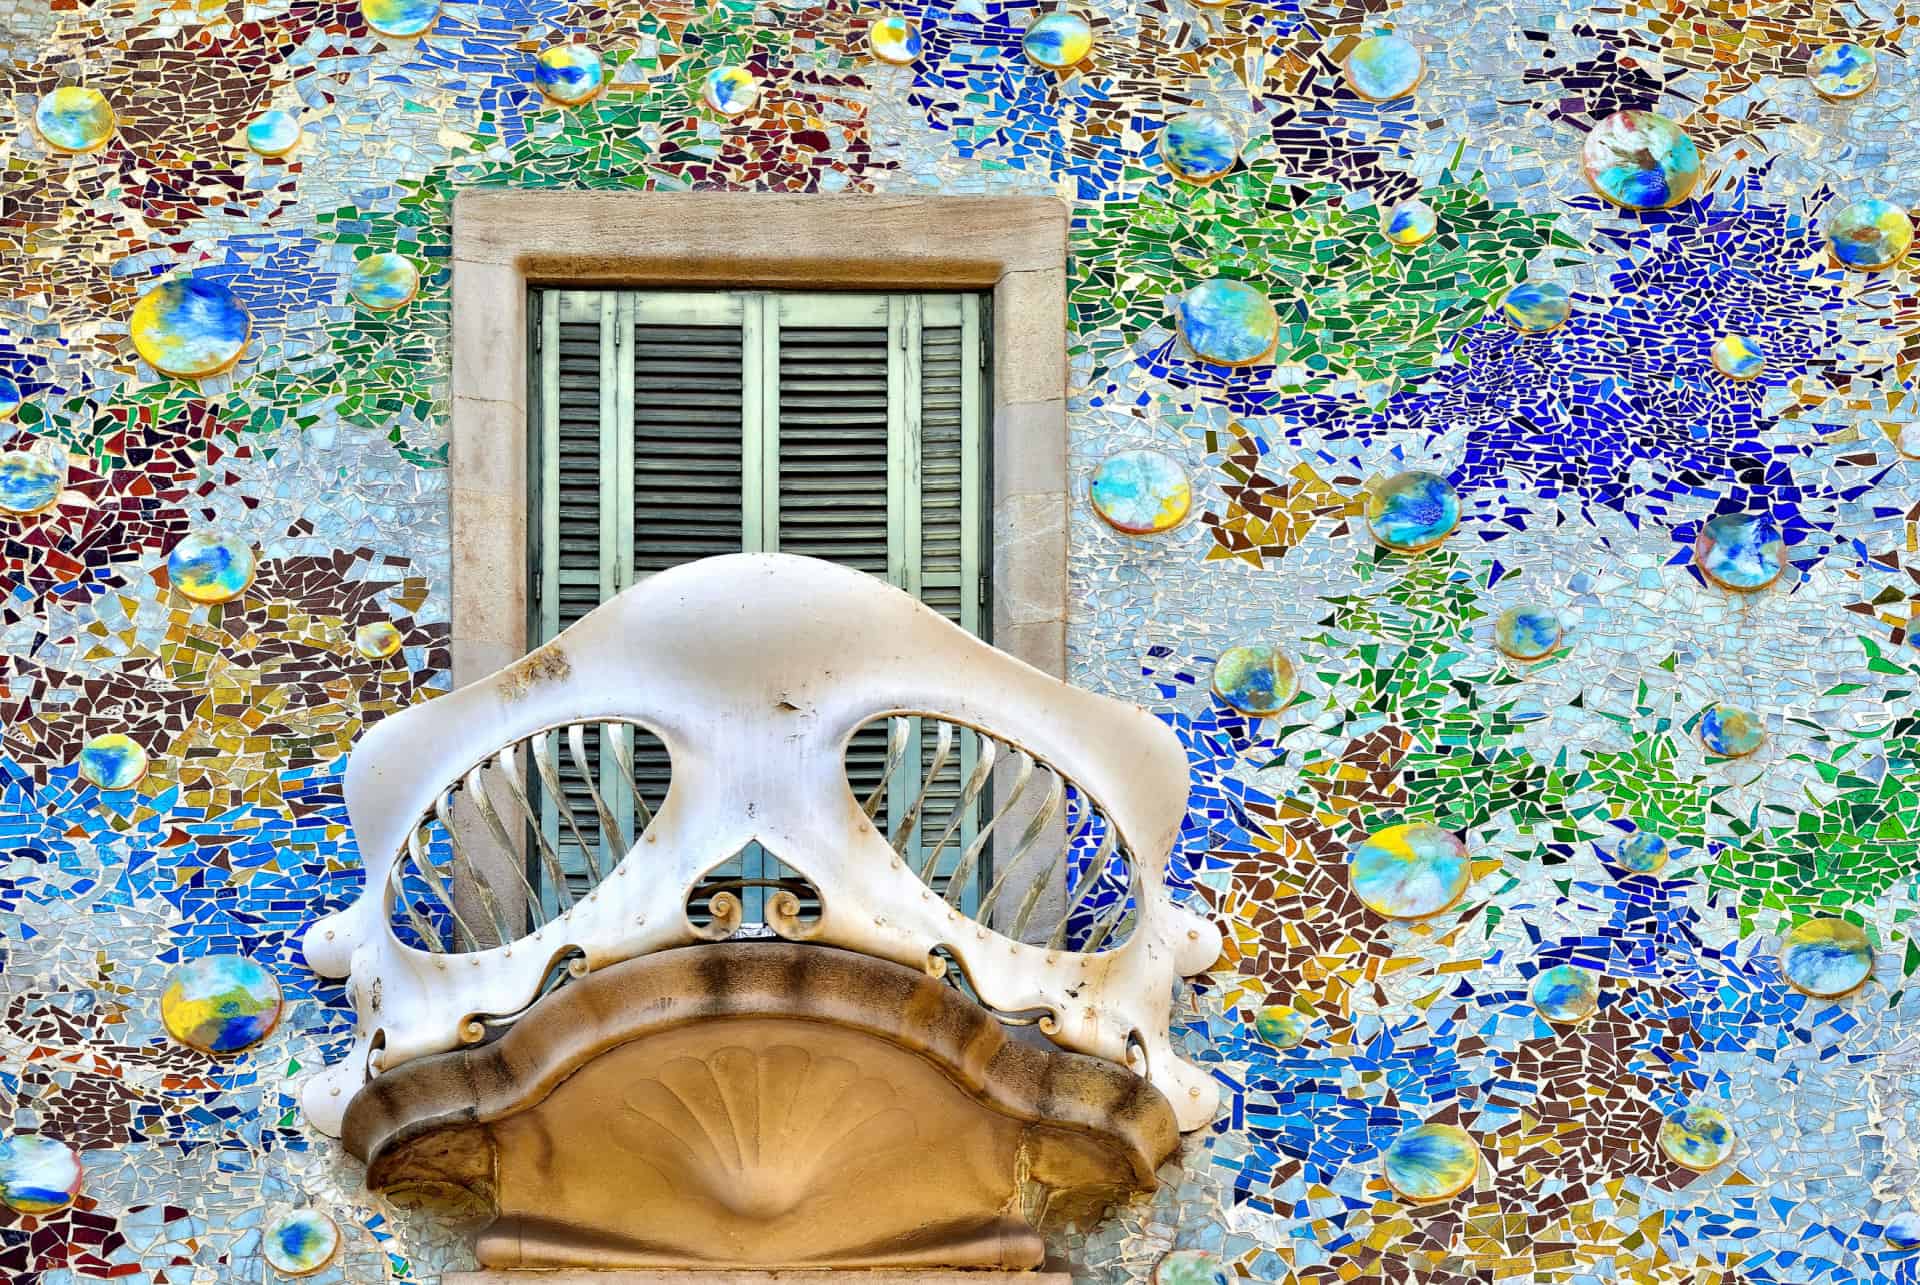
x,y
506,241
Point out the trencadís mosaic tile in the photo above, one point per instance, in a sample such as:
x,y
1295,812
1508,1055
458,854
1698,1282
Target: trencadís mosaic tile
x,y
1661,1072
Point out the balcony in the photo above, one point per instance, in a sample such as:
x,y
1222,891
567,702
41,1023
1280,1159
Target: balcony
x,y
764,919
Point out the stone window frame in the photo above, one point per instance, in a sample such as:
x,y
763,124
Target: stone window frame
x,y
508,242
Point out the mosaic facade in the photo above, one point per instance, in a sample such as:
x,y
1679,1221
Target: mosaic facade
x,y
1558,467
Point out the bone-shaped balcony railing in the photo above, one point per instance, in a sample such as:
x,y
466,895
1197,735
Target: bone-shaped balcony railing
x,y
971,804
919,797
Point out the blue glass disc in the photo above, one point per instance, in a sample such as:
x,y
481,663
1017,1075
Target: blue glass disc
x,y
1644,852
1383,68
1432,1162
1867,235
1534,308
1566,994
1527,632
1413,511
1826,957
1842,70
1743,552
1409,871
1640,161
1229,323
1199,147
1697,1137
1730,731
29,482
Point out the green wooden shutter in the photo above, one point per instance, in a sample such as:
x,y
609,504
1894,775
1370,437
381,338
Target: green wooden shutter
x,y
842,426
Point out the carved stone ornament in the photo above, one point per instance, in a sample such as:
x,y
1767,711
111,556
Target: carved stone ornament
x,y
760,1104
754,671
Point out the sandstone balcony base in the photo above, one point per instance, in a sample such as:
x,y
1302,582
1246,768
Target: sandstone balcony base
x,y
760,1105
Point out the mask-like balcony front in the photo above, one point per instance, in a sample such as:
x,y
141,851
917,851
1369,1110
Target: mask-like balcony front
x,y
764,919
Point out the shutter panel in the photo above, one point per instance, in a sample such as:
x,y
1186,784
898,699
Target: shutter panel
x,y
580,408
682,425
830,430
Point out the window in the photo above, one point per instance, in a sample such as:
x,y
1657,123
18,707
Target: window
x,y
673,425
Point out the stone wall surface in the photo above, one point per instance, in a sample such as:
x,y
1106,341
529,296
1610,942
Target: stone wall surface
x,y
1684,1057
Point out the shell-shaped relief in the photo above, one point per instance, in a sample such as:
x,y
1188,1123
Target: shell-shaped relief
x,y
756,1131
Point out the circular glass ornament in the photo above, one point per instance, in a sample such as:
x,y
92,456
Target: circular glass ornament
x,y
1697,1137
1536,308
273,133
190,327
38,1175
1413,511
1254,678
1281,1025
1410,224
1565,994
1842,70
1730,731
1903,1231
1141,492
30,482
1189,1267
211,567
1644,853
1409,871
221,1004
1199,147
1228,323
1639,160
730,91
1826,957
113,761
894,39
1431,1163
75,119
1743,552
1738,357
1384,67
403,19
1527,632
1058,41
377,639
569,74
383,282
301,1242
1868,234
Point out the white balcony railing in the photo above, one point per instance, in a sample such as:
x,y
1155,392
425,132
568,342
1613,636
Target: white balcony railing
x,y
772,743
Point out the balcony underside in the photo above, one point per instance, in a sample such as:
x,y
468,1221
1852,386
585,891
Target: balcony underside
x,y
759,1105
